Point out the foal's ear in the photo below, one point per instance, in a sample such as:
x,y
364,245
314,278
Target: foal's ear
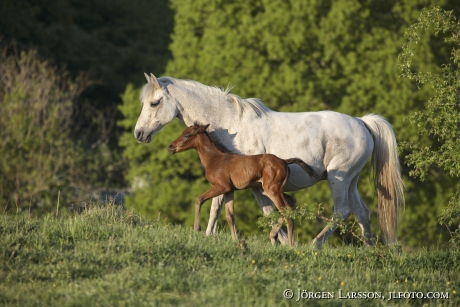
x,y
147,77
200,127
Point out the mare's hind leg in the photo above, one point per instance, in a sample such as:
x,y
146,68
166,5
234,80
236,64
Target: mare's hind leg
x,y
361,211
342,210
214,212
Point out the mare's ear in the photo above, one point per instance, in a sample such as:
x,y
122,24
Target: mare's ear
x,y
152,80
205,127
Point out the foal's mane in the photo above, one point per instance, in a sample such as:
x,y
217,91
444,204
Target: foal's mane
x,y
213,93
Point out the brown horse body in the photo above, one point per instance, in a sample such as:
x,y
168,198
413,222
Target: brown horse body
x,y
227,172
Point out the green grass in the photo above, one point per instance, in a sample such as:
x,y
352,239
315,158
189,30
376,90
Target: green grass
x,y
104,257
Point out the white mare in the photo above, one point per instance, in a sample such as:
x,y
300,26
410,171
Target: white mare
x,y
332,143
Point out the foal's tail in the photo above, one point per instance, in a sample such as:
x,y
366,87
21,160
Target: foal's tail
x,y
303,165
388,178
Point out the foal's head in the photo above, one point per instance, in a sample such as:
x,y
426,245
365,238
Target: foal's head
x,y
187,139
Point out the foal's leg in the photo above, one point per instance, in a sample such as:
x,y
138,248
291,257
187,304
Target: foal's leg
x,y
230,214
290,202
276,230
213,192
281,204
268,207
273,190
214,213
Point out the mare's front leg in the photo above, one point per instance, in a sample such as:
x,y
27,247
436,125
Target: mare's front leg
x,y
214,213
342,208
213,192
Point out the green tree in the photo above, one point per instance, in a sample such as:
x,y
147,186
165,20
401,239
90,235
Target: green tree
x,y
39,157
440,117
112,43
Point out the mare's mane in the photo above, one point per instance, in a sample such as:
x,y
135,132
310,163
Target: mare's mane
x,y
214,93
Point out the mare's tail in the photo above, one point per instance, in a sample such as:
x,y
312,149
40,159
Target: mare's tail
x,y
388,180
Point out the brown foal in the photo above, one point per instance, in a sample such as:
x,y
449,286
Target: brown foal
x,y
228,172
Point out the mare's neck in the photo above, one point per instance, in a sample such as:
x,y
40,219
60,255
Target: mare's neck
x,y
203,104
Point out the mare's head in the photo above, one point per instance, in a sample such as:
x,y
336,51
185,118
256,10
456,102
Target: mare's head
x,y
158,109
188,138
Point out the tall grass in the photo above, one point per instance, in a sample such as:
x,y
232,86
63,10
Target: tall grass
x,y
107,257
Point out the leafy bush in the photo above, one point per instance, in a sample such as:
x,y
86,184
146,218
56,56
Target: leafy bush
x,y
38,156
440,117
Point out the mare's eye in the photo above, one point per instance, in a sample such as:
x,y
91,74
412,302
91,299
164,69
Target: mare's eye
x,y
155,103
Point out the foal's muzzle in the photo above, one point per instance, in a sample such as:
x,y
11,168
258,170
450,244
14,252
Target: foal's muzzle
x,y
172,149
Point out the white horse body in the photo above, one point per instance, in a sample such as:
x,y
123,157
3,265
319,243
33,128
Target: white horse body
x,y
331,143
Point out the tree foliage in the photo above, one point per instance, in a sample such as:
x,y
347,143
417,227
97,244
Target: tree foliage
x,y
440,117
38,155
111,43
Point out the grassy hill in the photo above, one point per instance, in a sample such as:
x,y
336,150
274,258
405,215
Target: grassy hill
x,y
108,257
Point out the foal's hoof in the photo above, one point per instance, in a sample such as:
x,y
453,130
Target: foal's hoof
x,y
242,244
274,237
369,242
